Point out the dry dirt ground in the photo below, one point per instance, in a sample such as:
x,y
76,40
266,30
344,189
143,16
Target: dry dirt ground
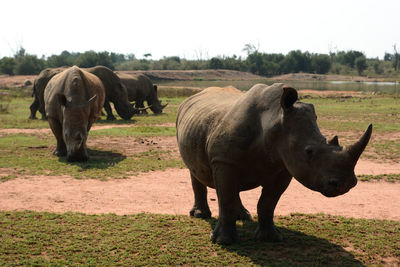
x,y
169,191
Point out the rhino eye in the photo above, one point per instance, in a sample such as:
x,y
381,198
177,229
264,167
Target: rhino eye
x,y
309,151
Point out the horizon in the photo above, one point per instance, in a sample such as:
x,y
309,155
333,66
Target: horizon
x,y
196,31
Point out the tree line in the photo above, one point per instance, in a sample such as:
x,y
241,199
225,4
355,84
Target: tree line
x,y
265,64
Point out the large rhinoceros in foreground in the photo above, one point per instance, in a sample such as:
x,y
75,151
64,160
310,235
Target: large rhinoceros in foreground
x,y
234,141
73,101
115,92
140,89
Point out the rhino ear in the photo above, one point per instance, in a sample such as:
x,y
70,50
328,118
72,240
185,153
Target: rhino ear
x,y
62,99
92,99
288,97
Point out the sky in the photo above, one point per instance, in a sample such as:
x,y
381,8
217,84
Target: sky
x,y
198,29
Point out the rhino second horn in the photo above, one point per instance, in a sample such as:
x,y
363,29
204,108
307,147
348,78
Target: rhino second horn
x,y
358,147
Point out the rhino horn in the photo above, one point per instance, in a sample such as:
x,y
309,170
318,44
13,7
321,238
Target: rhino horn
x,y
164,106
358,147
334,141
141,109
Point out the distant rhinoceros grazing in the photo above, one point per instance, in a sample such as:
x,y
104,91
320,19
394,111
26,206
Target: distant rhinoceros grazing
x,y
115,92
73,101
140,89
234,141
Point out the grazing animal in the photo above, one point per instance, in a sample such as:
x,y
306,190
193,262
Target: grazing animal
x,y
73,101
234,141
141,89
115,92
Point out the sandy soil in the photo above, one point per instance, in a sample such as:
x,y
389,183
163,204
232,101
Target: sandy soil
x,y
169,192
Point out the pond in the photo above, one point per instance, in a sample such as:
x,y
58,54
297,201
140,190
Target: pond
x,y
384,87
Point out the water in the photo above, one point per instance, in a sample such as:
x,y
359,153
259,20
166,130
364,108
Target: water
x,y
383,87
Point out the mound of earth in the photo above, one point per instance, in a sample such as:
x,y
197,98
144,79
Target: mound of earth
x,y
196,75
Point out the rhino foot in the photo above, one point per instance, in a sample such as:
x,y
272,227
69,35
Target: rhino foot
x,y
111,118
32,117
60,152
224,234
268,234
200,213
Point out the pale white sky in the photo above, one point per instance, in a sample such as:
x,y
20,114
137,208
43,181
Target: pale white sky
x,y
198,29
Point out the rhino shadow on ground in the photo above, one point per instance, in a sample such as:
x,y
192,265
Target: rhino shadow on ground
x,y
296,249
98,159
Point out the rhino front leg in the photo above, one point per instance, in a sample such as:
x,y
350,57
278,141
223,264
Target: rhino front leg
x,y
56,128
226,181
108,109
200,208
266,230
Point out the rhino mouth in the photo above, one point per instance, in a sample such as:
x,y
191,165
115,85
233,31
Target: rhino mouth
x,y
334,188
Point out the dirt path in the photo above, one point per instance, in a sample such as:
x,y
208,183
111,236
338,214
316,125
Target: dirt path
x,y
169,192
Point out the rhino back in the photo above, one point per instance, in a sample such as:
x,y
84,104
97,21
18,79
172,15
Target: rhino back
x,y
198,116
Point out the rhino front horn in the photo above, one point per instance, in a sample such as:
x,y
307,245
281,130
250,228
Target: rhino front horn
x,y
358,147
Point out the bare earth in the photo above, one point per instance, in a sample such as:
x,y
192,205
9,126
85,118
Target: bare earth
x,y
169,192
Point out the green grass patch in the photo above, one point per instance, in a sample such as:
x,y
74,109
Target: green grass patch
x,y
40,238
146,131
354,114
33,155
383,177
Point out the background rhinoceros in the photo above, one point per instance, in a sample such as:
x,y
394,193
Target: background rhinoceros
x,y
234,141
73,101
141,89
115,92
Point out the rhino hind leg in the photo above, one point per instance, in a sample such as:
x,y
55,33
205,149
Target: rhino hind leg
x,y
229,204
56,128
244,214
200,208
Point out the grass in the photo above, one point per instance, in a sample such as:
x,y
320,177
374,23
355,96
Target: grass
x,y
41,238
33,155
385,177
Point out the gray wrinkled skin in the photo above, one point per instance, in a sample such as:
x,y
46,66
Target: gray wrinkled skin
x,y
115,92
141,89
234,141
73,101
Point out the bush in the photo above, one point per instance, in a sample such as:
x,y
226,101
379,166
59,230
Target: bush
x,y
360,64
7,65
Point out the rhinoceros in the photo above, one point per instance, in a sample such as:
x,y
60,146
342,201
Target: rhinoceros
x,y
38,90
73,101
140,88
115,92
234,141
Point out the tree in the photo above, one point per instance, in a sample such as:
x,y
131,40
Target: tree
x,y
7,65
249,49
360,64
216,63
396,58
321,63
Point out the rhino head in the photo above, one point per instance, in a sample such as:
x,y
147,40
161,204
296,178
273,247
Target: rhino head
x,y
154,103
319,165
75,126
